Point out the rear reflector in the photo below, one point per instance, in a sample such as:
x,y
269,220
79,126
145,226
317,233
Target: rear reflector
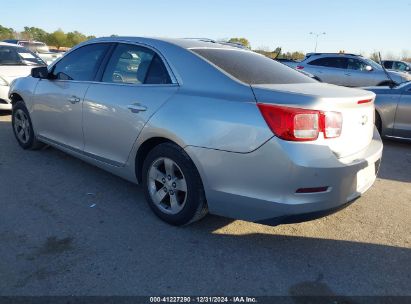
x,y
296,124
364,101
300,67
312,190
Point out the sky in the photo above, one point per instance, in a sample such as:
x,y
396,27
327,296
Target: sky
x,y
361,26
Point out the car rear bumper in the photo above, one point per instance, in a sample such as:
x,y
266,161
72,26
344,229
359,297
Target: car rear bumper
x,y
261,186
5,103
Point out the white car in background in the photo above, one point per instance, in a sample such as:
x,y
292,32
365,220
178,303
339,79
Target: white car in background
x,y
40,48
15,61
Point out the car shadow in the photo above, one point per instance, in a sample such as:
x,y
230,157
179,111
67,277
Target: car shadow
x,y
396,162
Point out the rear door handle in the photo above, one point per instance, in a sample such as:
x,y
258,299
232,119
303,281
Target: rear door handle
x,y
73,99
136,108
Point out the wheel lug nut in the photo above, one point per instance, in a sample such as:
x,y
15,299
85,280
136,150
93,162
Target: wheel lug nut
x,y
169,177
171,192
163,180
174,185
165,189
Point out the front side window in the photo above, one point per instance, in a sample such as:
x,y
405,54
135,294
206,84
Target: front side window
x,y
252,68
330,62
14,55
81,64
134,64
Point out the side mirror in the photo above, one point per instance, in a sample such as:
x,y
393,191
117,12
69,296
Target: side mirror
x,y
368,68
40,72
407,68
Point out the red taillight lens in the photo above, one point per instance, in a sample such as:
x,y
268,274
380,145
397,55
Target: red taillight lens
x,y
332,124
291,123
300,67
300,124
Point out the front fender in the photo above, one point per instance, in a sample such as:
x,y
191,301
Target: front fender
x,y
25,88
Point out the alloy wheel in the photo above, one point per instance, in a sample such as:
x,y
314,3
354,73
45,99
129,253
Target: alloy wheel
x,y
22,126
167,185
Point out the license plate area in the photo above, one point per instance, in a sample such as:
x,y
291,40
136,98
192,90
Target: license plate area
x,y
365,177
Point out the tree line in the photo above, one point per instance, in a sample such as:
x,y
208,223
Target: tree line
x,y
57,38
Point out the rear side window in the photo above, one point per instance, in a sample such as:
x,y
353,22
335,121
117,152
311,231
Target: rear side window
x,y
133,64
81,64
330,62
252,68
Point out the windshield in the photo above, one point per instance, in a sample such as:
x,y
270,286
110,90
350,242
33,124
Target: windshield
x,y
252,68
11,55
372,63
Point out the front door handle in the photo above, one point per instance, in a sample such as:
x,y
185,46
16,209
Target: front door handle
x,y
136,108
73,99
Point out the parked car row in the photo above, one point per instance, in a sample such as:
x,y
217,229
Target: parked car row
x,y
348,70
15,61
40,48
205,127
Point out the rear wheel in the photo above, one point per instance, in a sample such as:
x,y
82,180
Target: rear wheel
x,y
173,186
23,127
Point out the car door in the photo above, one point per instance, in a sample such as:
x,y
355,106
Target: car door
x,y
358,75
402,124
58,101
330,70
134,84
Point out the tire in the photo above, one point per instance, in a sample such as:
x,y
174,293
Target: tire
x,y
172,185
23,128
378,122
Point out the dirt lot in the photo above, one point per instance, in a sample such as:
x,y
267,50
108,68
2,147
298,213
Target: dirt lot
x,y
67,228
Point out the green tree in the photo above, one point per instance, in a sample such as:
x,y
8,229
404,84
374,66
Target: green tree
x,y
57,38
6,33
34,33
74,38
242,41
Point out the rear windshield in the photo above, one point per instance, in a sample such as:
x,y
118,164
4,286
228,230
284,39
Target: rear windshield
x,y
252,68
14,55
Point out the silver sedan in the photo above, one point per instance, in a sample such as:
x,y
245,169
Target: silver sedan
x,y
393,110
205,127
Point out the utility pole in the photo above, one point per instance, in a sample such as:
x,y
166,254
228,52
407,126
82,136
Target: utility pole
x,y
316,39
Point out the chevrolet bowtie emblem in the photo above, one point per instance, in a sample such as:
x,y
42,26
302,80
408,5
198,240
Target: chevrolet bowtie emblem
x,y
364,120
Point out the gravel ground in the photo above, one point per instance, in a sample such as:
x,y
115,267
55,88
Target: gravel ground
x,y
67,228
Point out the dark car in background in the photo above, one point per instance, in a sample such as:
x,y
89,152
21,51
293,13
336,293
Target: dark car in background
x,y
396,65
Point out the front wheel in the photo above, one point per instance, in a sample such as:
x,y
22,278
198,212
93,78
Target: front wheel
x,y
23,127
172,185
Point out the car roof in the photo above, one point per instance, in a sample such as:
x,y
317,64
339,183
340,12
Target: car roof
x,y
331,54
9,44
187,43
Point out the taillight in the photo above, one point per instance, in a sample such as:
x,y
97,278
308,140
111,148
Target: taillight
x,y
301,124
300,67
331,124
